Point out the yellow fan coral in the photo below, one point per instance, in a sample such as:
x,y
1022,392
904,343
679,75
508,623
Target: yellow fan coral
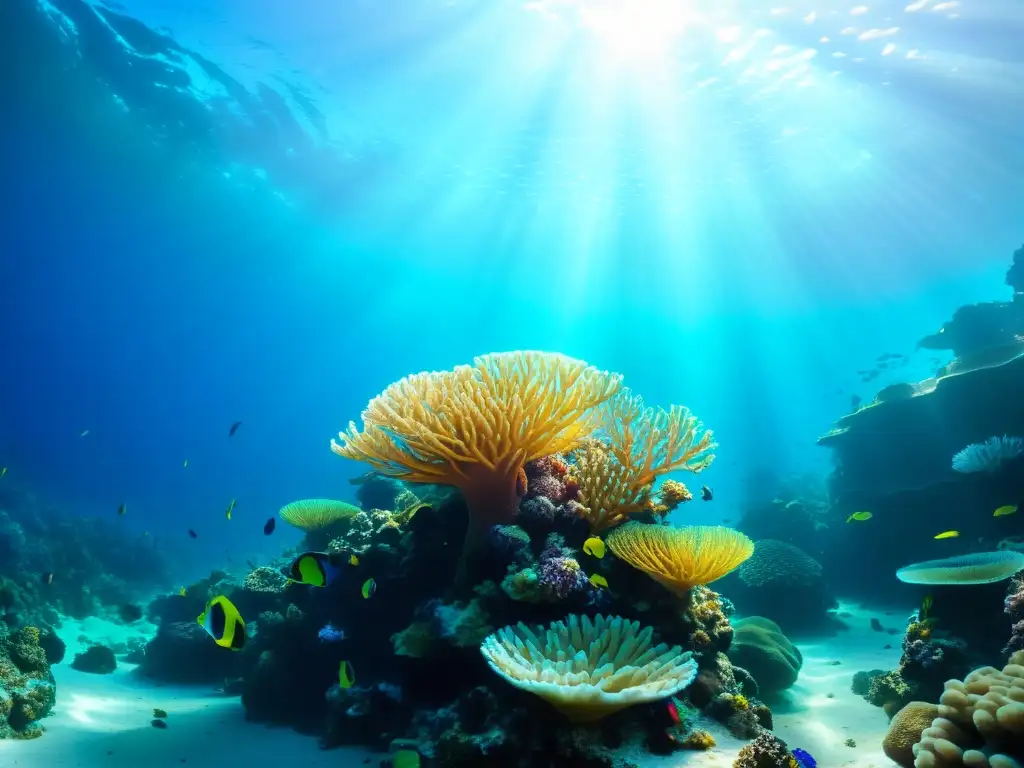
x,y
314,514
475,426
589,668
615,477
680,558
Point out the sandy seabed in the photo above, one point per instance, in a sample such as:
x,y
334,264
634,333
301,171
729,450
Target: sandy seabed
x,y
105,720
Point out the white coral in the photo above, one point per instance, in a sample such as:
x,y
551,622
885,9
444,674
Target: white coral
x,y
589,668
988,456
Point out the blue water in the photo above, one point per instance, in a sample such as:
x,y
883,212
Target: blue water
x,y
246,211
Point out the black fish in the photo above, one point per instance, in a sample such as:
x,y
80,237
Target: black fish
x,y
193,534
706,493
129,612
158,724
269,527
122,509
234,428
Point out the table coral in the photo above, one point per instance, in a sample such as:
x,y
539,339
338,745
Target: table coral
x,y
980,721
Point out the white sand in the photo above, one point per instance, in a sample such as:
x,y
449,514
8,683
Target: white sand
x,y
104,720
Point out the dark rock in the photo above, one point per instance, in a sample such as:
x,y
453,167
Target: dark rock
x,y
52,645
98,660
182,652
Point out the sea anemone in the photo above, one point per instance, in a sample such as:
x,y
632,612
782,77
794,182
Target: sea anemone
x,y
988,456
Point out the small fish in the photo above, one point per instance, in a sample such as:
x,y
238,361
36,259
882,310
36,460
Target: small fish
x,y
346,675
948,535
268,527
405,758
47,578
84,433
369,588
223,623
159,724
317,569
598,581
182,592
594,546
122,509
673,712
1007,509
193,534
804,759
859,517
3,471
353,560
145,534
230,509
706,493
234,428
184,464
159,714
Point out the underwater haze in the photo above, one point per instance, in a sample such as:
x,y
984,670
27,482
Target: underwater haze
x,y
227,225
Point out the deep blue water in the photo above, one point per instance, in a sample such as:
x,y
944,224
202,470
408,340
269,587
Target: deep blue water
x,y
228,211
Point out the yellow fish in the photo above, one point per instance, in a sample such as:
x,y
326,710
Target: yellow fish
x,y
948,535
1007,509
223,623
353,560
346,675
594,546
369,588
859,516
599,581
230,509
182,592
185,464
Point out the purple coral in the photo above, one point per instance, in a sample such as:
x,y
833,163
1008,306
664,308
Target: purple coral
x,y
509,540
1014,608
561,576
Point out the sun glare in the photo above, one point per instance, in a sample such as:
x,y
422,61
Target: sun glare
x,y
632,30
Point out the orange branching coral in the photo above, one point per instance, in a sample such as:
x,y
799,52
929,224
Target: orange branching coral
x,y
616,475
475,426
680,558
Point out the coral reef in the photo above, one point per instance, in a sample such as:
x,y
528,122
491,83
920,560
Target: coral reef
x,y
980,721
760,647
1013,606
97,659
27,689
766,751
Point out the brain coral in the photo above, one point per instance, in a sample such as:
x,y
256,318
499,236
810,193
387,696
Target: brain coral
x,y
589,668
778,563
905,731
980,721
976,568
759,646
